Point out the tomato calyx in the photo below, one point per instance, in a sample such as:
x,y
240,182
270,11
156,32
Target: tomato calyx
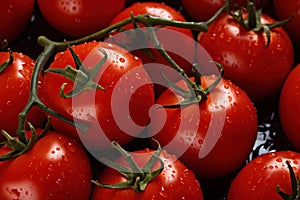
x,y
295,182
195,93
8,62
137,177
253,20
20,146
82,77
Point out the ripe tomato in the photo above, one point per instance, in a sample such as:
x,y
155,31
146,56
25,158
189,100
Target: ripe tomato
x,y
55,168
119,113
14,16
176,181
213,137
14,93
289,105
285,10
259,178
182,52
78,18
258,70
203,10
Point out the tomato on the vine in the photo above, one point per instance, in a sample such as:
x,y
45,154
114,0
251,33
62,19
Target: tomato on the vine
x,y
14,16
213,137
249,61
175,181
289,107
259,178
15,80
55,168
182,52
118,111
203,10
79,18
284,10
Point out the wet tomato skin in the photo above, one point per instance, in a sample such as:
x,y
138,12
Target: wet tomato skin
x,y
80,18
259,70
289,105
206,135
55,168
14,17
119,76
176,181
183,52
259,178
14,93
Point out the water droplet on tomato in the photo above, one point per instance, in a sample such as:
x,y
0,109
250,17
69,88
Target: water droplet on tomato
x,y
65,158
8,103
162,193
58,182
70,147
271,167
122,60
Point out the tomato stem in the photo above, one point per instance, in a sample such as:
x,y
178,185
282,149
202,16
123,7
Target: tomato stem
x,y
295,182
8,62
137,178
253,21
82,77
51,47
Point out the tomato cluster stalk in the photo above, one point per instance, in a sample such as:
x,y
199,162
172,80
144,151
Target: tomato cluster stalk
x,y
195,94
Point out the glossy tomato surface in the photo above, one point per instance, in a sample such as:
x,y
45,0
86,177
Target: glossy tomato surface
x,y
286,10
14,17
270,136
203,10
175,181
259,70
289,105
14,93
183,52
79,18
213,137
55,168
116,114
259,178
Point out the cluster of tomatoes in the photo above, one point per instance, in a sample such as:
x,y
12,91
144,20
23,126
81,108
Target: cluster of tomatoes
x,y
203,106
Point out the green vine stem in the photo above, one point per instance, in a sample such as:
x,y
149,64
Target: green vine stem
x,y
51,47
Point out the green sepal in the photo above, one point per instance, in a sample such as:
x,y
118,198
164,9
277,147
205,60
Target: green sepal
x,y
137,178
82,77
18,147
8,62
295,182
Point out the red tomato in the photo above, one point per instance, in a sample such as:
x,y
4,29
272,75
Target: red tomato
x,y
176,181
79,18
203,10
55,168
14,93
284,10
14,16
119,113
259,178
182,52
258,70
289,105
214,137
